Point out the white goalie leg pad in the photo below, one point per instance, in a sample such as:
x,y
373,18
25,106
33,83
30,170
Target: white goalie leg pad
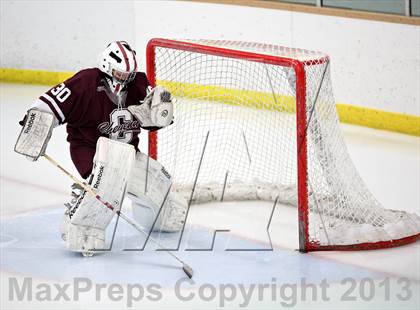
x,y
171,217
147,202
89,217
35,134
85,239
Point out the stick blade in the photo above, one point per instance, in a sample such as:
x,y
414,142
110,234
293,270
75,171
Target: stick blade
x,y
188,271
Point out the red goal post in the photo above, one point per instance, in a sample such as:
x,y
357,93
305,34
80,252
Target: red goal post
x,y
300,61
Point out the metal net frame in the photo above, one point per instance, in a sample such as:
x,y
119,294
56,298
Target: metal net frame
x,y
259,122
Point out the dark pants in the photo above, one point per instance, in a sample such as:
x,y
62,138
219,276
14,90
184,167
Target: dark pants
x,y
82,157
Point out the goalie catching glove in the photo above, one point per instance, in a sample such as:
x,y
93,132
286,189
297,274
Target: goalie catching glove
x,y
156,110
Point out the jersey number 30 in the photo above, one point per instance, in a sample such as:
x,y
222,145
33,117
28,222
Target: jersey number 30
x,y
61,92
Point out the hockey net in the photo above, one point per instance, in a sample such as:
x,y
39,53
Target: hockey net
x,y
259,122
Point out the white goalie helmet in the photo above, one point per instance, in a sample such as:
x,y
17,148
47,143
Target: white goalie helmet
x,y
119,62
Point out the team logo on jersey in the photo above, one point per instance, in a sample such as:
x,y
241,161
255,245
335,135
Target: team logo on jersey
x,y
121,126
112,128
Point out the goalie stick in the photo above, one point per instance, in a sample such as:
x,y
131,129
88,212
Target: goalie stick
x,y
185,267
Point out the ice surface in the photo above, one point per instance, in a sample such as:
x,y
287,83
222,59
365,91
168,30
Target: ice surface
x,y
31,206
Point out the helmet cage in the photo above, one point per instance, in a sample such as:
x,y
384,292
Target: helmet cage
x,y
122,77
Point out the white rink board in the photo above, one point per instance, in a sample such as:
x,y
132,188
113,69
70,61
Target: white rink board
x,y
375,64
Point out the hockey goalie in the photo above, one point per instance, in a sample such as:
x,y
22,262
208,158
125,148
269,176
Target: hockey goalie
x,y
105,109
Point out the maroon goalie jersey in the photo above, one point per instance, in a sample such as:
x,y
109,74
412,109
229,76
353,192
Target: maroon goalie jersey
x,y
90,111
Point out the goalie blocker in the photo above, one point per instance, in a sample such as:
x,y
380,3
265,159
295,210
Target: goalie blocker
x,y
35,134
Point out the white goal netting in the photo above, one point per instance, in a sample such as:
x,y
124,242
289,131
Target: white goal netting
x,y
235,132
